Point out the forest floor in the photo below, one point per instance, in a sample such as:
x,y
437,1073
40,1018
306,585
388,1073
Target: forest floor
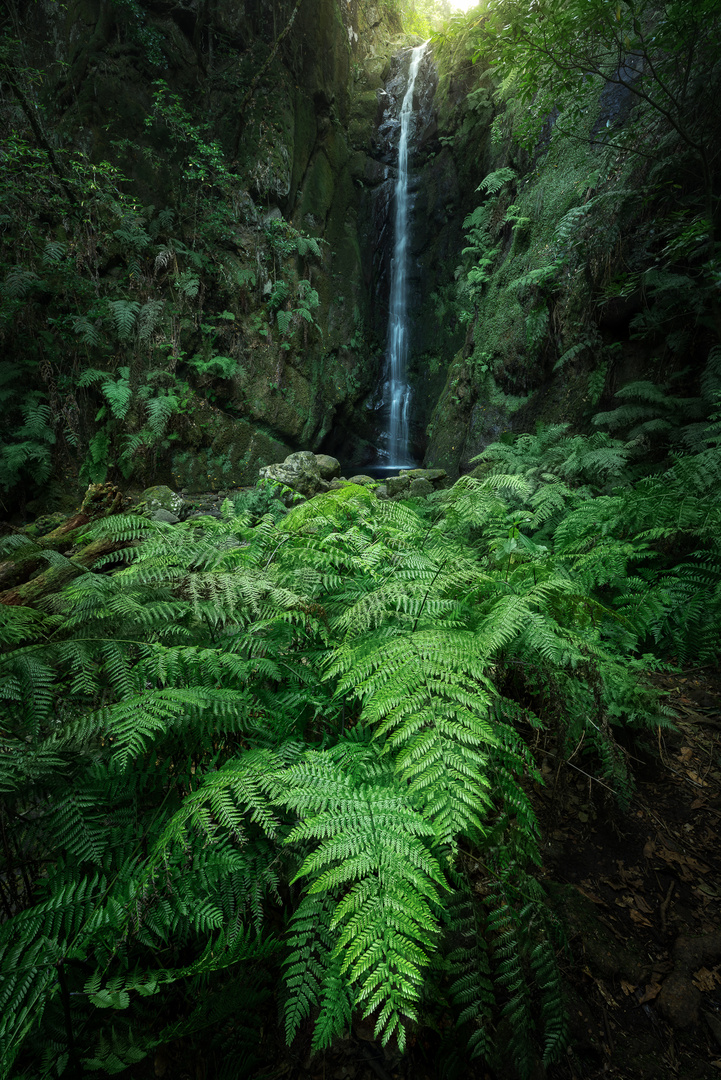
x,y
641,893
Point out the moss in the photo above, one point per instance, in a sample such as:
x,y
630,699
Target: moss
x,y
221,451
317,195
518,331
266,153
335,148
305,137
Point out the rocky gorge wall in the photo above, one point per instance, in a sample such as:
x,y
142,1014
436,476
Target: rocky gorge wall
x,y
196,258
244,137
573,270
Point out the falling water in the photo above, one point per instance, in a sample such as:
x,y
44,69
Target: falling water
x,y
397,355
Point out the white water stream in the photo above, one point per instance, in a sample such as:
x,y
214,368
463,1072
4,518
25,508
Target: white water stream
x,y
397,349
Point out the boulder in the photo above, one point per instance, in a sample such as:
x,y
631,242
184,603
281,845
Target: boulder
x,y
361,479
397,485
437,477
420,488
299,471
328,467
165,515
161,497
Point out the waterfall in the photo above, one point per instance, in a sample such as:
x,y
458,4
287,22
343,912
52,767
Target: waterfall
x,y
397,349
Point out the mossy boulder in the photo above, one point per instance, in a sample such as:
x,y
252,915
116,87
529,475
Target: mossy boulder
x,y
436,477
221,451
397,485
420,488
299,471
362,480
328,467
163,498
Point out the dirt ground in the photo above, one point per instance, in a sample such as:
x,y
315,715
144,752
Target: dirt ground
x,y
644,907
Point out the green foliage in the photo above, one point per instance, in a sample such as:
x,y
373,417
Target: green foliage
x,y
29,452
117,313
269,747
495,181
562,53
424,17
260,500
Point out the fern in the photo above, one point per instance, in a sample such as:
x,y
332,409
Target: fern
x,y
118,393
572,352
149,317
308,244
493,182
89,335
268,753
388,879
160,409
125,316
284,318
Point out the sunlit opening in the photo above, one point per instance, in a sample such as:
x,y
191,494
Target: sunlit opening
x,y
464,5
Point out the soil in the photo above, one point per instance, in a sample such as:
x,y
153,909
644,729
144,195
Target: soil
x,y
641,896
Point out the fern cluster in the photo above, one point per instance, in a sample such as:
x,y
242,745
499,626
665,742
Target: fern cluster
x,y
277,745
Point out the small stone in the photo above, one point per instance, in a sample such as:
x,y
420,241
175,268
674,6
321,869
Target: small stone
x,y
205,513
679,1000
164,515
328,467
382,491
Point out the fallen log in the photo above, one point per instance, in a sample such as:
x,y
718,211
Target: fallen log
x,y
19,578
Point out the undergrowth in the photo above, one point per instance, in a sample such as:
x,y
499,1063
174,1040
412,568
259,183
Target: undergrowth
x,y
240,755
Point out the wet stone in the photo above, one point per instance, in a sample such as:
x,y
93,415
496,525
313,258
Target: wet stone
x,y
328,467
420,488
165,516
362,479
397,485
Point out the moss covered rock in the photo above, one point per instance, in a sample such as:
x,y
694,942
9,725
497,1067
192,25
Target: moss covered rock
x,y
220,451
162,498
